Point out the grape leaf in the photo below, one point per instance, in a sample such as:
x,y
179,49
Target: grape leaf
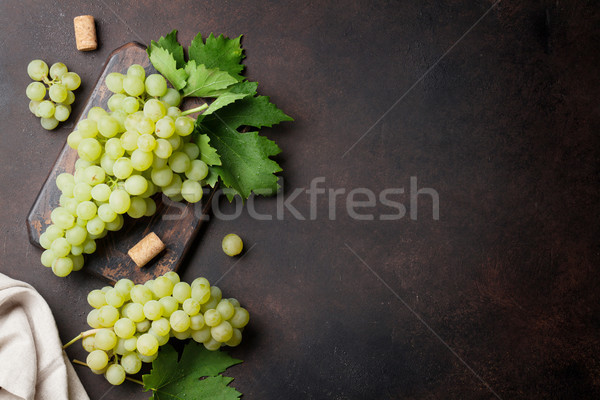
x,y
246,166
171,44
253,111
240,87
218,52
165,63
223,100
203,82
208,154
171,379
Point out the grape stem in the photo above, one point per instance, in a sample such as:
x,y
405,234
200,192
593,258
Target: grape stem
x,y
128,378
193,110
81,336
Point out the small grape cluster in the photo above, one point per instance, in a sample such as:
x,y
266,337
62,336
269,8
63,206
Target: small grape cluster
x,y
139,148
130,322
60,92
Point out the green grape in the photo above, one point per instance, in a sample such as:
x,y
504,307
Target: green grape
x,y
62,266
120,116
137,207
48,258
63,180
212,317
96,298
114,298
147,359
162,286
36,91
146,142
57,70
108,316
201,335
232,245
108,126
173,276
171,97
130,105
119,200
97,359
120,347
165,127
240,318
115,102
156,85
124,328
93,175
114,82
215,293
89,246
76,235
184,126
161,326
137,71
133,86
179,321
150,190
222,332
87,128
173,112
116,224
175,142
88,344
131,344
54,232
169,304
197,171
141,160
70,98
192,150
150,207
57,93
131,363
105,339
86,209
129,140
212,345
162,176
173,188
49,123
113,148
179,162
62,218
45,242
62,112
61,247
123,168
115,374
236,338
191,307
71,80
140,294
107,164
89,149
147,344
93,320
225,308
154,109
163,149
101,192
134,311
124,286
46,109
33,105
201,293
82,191
145,126
96,113
136,185
191,191
162,339
153,310
196,322
37,70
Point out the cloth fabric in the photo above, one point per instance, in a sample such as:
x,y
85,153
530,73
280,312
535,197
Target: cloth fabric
x,y
33,365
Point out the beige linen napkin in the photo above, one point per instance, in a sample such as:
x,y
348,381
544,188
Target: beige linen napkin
x,y
33,365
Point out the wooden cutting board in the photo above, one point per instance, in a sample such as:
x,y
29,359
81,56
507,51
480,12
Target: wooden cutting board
x,y
175,223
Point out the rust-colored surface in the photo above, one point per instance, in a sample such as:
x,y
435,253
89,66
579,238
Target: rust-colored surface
x,y
504,288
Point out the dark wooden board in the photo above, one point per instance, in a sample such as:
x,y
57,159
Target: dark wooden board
x,y
175,223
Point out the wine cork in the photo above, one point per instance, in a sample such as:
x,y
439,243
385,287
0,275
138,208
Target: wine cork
x,y
85,33
146,249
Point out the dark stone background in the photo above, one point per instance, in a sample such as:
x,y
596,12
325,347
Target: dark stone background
x,y
503,287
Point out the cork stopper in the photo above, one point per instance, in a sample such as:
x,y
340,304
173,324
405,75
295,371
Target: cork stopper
x,y
146,249
85,33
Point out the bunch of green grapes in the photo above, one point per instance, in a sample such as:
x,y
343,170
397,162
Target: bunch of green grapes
x,y
132,321
127,154
59,89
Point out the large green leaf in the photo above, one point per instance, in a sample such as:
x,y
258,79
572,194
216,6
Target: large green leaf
x,y
165,63
204,82
218,52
